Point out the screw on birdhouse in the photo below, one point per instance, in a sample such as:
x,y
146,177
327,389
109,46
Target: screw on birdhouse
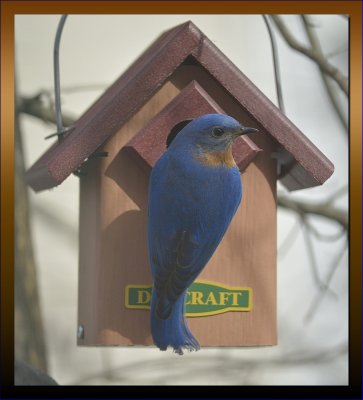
x,y
61,130
80,332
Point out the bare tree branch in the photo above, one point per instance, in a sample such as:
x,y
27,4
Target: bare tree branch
x,y
209,364
311,53
29,339
330,88
320,295
289,239
84,88
276,63
342,191
338,51
312,256
325,237
35,107
325,209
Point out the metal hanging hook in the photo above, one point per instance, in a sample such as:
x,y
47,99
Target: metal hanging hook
x,y
58,108
61,130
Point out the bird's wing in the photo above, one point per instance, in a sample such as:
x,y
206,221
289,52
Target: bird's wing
x,y
177,262
185,226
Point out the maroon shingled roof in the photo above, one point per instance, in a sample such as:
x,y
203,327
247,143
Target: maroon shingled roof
x,y
302,164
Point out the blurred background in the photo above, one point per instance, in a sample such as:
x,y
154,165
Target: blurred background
x,y
312,224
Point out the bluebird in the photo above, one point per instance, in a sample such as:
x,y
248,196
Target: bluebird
x,y
194,191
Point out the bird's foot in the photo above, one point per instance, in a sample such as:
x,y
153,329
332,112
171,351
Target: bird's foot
x,y
189,347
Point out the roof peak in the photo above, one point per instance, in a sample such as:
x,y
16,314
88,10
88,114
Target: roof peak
x,y
145,77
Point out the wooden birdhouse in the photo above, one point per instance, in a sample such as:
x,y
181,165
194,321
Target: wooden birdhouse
x,y
181,76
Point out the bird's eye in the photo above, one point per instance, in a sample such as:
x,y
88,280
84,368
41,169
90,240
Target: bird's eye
x,y
218,132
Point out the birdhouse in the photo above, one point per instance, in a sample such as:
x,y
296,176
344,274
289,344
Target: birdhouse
x,y
181,76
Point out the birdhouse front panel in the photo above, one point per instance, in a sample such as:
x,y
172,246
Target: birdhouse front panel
x,y
233,302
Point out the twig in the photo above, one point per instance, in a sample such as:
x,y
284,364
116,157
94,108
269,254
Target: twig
x,y
316,48
34,106
83,88
75,89
338,193
338,51
289,239
315,56
324,237
311,255
320,295
275,59
325,209
127,373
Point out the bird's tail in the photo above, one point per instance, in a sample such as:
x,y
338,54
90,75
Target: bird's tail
x,y
172,331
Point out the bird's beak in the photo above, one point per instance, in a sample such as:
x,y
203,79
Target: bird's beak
x,y
245,130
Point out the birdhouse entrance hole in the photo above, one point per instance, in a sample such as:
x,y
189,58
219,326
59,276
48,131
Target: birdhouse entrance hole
x,y
175,130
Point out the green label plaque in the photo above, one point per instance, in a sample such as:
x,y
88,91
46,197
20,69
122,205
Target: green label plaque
x,y
203,298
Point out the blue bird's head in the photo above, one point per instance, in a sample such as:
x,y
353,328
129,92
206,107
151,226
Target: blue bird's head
x,y
209,134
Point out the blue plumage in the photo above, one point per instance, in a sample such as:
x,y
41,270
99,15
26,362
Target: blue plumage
x,y
195,190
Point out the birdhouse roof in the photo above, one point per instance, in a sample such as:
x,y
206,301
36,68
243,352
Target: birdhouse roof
x,y
301,163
